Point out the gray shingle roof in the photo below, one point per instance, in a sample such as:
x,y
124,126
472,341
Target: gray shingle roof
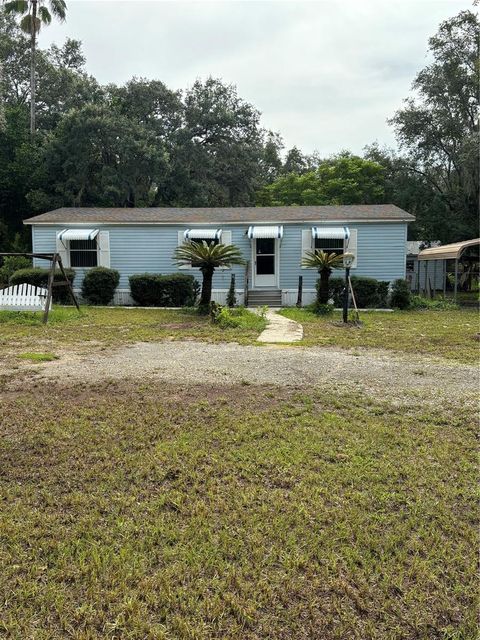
x,y
180,215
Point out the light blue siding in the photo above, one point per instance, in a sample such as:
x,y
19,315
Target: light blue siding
x,y
380,254
149,248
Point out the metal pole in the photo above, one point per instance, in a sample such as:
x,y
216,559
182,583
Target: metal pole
x,y
456,278
434,290
444,275
418,275
425,279
300,291
345,298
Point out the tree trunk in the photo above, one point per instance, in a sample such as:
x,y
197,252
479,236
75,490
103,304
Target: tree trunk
x,y
323,291
32,69
206,286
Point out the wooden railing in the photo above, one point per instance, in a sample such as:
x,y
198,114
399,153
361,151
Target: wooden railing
x,y
247,284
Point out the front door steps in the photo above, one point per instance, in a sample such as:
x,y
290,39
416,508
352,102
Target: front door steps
x,y
265,297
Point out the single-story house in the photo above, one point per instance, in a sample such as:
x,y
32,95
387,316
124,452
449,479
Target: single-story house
x,y
272,240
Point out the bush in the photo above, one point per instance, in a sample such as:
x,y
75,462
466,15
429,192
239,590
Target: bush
x,y
10,265
156,290
401,295
419,302
39,278
369,293
231,297
99,284
323,309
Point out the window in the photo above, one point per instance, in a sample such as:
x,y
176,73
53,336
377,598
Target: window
x,y
330,245
199,241
410,265
83,253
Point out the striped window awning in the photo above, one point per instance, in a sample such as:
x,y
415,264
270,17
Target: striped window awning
x,y
272,231
202,234
77,234
331,233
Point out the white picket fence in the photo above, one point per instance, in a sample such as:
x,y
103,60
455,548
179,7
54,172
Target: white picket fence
x,y
23,297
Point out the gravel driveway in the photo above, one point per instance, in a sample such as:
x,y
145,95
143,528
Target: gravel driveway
x,y
382,373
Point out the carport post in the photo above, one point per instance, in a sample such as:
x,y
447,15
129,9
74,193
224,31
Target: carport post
x,y
425,279
434,278
456,278
444,275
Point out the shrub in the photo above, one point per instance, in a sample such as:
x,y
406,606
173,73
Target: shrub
x,y
223,316
38,277
323,309
156,290
401,296
10,265
99,284
369,293
231,297
419,302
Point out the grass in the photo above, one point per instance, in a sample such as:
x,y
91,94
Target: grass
x,y
116,325
444,334
38,357
245,513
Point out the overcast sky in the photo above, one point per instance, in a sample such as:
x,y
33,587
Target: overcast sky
x,y
324,74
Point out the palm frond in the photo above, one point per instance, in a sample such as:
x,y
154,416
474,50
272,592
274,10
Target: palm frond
x,y
59,9
29,24
322,260
16,6
206,254
44,15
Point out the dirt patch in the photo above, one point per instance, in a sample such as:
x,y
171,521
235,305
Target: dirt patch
x,y
198,363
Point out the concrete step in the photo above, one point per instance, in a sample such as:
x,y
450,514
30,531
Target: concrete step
x,y
259,298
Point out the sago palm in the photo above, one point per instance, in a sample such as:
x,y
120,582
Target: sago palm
x,y
208,257
324,263
34,14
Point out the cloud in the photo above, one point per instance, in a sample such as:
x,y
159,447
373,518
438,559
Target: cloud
x,y
326,75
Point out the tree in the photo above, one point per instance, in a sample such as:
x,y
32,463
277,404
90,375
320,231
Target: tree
x,y
208,257
218,152
324,263
34,13
439,126
343,179
97,157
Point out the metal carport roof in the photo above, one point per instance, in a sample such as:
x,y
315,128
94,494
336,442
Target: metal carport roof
x,y
447,251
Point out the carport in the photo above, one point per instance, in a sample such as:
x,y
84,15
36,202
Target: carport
x,y
460,252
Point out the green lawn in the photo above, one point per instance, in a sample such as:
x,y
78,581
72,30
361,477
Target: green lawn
x,y
117,325
139,512
446,334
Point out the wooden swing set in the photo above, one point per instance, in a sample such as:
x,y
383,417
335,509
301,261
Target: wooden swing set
x,y
31,298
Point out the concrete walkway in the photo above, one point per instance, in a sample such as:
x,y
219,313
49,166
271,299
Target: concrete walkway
x,y
280,329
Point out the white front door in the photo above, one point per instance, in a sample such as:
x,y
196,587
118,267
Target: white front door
x,y
265,263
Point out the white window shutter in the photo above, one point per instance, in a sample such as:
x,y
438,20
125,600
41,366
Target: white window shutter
x,y
307,243
352,246
63,252
226,238
180,241
104,249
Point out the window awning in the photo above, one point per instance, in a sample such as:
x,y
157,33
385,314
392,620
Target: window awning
x,y
272,231
331,233
202,234
77,234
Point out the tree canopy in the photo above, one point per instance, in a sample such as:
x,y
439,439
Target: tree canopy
x,y
344,179
145,144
